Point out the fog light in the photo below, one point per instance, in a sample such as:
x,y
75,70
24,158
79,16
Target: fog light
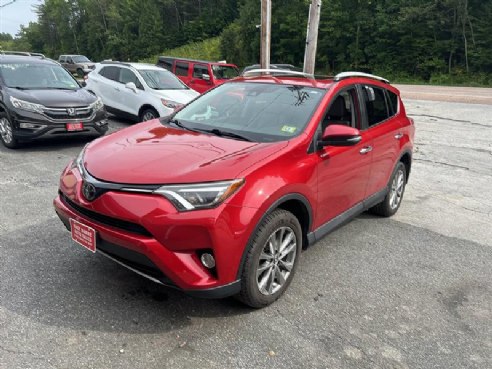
x,y
208,260
31,126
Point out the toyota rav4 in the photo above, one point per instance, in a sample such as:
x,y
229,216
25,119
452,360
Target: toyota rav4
x,y
220,198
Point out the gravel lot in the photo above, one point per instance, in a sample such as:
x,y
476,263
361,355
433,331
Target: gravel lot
x,y
413,291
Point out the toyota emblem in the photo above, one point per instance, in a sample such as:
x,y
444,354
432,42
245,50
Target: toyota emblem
x,y
89,191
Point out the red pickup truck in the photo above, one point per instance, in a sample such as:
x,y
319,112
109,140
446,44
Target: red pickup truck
x,y
200,75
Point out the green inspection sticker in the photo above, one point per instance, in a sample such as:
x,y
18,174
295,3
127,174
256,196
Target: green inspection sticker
x,y
289,129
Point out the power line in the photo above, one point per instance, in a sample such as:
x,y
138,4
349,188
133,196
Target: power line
x,y
4,5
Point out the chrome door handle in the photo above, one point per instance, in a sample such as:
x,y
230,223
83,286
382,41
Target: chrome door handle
x,y
399,135
365,150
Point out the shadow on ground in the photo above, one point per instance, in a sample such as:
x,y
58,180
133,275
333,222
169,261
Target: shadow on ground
x,y
62,284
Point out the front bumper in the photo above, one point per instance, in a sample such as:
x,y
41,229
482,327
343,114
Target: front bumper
x,y
94,125
146,234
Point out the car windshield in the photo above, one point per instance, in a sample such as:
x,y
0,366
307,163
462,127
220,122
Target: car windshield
x,y
260,112
162,80
37,76
80,59
224,72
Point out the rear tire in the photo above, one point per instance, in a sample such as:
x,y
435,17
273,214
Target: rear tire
x,y
391,203
6,132
271,260
148,114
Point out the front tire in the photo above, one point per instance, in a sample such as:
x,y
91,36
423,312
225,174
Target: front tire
x,y
148,114
271,260
80,72
7,132
391,203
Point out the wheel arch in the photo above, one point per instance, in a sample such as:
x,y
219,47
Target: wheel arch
x,y
147,106
295,203
406,159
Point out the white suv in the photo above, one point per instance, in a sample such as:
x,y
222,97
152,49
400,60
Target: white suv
x,y
138,91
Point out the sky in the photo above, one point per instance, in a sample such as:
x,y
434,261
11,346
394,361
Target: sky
x,y
15,14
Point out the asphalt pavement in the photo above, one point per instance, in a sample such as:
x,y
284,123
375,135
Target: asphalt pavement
x,y
412,291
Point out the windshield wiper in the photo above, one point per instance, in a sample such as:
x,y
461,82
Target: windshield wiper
x,y
19,88
221,133
179,124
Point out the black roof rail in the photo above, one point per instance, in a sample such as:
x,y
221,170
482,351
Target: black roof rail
x,y
345,75
163,57
115,62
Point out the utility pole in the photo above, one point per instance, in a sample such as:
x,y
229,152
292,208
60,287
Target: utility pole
x,y
312,36
266,25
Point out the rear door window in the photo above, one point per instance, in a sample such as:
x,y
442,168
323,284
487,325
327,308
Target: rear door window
x,y
111,72
182,68
376,106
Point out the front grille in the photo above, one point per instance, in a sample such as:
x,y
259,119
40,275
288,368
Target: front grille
x,y
105,220
68,113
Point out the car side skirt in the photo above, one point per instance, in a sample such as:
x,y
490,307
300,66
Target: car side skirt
x,y
344,217
121,113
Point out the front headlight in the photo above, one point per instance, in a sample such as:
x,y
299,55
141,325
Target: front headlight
x,y
171,104
79,161
199,196
98,104
26,105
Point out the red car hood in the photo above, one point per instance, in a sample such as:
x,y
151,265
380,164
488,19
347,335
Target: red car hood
x,y
151,153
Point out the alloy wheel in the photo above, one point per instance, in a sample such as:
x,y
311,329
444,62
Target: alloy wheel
x,y
6,130
397,187
276,261
148,116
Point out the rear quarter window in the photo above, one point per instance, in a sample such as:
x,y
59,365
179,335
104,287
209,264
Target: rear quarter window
x,y
181,68
112,73
393,101
165,63
376,105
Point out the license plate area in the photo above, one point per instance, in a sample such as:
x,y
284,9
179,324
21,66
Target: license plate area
x,y
83,235
74,127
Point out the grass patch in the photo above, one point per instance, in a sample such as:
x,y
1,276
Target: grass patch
x,y
208,49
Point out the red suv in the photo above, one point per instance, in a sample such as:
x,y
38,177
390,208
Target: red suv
x,y
200,75
220,198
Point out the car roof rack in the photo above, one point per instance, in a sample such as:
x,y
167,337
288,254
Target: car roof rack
x,y
22,53
277,72
115,62
345,75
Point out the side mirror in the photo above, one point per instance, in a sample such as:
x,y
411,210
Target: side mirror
x,y
339,135
132,86
83,84
206,77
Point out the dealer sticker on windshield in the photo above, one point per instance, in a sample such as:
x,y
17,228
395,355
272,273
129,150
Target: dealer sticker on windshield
x,y
289,129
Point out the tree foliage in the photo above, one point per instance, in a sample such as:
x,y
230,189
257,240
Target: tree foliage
x,y
418,38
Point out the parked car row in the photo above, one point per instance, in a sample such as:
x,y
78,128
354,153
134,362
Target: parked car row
x,y
219,196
